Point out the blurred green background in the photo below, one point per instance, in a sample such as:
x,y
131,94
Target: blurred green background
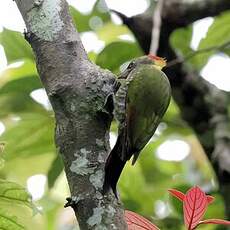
x,y
33,186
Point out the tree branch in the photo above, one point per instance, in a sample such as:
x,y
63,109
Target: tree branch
x,y
78,91
175,14
156,28
182,13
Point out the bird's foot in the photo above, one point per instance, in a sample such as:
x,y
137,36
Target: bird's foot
x,y
71,202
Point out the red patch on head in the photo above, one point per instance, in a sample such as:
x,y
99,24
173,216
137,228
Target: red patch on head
x,y
153,57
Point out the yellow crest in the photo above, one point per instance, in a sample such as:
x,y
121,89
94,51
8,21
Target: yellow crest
x,y
159,62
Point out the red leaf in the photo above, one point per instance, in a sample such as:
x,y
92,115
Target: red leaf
x,y
215,221
137,222
210,199
194,206
179,195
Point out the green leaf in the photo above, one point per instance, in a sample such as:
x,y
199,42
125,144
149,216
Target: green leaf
x,y
19,169
15,104
31,136
15,96
181,39
55,170
9,222
27,68
16,84
29,146
80,20
91,21
13,200
23,85
111,59
13,192
218,34
110,32
15,46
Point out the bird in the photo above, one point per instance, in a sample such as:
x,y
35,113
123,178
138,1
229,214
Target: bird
x,y
142,98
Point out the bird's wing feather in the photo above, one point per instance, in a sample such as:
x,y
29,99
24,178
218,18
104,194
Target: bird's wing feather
x,y
148,130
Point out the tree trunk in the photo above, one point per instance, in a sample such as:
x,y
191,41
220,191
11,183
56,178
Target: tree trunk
x,y
78,91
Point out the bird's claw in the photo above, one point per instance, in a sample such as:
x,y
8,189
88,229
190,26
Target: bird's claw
x,y
70,202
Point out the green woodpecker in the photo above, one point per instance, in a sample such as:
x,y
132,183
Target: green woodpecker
x,y
142,99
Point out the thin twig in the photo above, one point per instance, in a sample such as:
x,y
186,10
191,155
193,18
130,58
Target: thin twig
x,y
156,27
193,54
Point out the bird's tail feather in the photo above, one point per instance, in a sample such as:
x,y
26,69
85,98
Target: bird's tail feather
x,y
113,168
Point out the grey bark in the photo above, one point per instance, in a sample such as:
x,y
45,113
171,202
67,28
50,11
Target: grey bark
x,y
78,91
183,12
202,105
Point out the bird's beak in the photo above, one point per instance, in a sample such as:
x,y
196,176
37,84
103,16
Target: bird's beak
x,y
158,61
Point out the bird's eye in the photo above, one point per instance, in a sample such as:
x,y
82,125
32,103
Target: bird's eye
x,y
131,65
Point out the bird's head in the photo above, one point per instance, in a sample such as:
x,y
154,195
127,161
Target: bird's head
x,y
150,59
